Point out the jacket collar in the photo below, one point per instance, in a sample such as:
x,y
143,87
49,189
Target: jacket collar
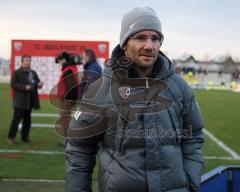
x,y
25,69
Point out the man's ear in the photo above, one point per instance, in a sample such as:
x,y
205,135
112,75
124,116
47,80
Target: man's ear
x,y
124,49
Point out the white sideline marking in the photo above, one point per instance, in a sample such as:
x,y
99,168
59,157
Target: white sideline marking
x,y
218,158
62,153
41,125
44,125
222,145
32,152
34,180
44,115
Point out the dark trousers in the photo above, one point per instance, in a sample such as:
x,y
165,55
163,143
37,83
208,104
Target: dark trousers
x,y
18,115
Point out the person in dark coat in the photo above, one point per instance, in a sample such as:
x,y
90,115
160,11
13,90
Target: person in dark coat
x,y
140,119
25,84
92,70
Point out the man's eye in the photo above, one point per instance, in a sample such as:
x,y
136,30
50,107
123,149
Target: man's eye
x,y
155,39
140,38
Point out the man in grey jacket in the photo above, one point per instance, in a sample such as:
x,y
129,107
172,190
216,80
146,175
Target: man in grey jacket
x,y
140,119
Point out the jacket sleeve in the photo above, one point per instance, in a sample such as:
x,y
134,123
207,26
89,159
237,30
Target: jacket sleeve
x,y
193,140
15,83
96,68
81,158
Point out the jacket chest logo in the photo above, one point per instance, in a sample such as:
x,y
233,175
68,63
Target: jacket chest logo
x,y
124,92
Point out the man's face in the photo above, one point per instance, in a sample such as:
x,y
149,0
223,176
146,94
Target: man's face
x,y
143,48
85,58
26,63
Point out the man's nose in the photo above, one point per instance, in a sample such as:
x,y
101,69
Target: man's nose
x,y
148,44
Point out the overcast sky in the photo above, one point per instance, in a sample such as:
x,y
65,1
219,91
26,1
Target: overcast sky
x,y
203,28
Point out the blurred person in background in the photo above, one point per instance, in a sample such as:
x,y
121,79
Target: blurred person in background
x,y
68,90
25,84
92,70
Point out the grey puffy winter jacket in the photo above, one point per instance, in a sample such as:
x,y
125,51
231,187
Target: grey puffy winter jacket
x,y
151,151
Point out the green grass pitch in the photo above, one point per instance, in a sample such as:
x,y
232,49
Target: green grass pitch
x,y
220,110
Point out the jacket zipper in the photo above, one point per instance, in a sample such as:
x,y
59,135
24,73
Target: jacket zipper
x,y
147,84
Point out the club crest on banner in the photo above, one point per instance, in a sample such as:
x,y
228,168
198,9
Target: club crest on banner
x,y
102,48
18,46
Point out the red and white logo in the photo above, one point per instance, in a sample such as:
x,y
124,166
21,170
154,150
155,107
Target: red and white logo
x,y
102,48
18,46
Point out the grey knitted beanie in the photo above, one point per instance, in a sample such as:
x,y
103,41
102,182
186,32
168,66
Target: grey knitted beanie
x,y
136,20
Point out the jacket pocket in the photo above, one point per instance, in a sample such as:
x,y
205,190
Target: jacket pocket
x,y
172,171
185,174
